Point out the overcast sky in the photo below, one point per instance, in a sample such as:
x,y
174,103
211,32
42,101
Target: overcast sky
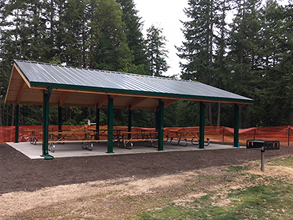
x,y
165,14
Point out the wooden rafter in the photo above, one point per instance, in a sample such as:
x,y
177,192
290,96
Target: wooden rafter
x,y
136,102
204,102
102,101
63,98
168,102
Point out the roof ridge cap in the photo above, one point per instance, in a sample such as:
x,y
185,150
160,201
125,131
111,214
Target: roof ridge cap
x,y
105,71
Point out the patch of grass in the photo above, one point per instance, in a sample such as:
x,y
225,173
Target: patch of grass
x,y
235,169
286,161
256,202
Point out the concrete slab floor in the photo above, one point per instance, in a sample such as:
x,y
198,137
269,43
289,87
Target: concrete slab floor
x,y
100,149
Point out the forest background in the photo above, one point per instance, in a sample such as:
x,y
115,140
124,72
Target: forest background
x,y
252,55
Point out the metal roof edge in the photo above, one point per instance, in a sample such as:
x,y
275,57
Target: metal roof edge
x,y
244,100
15,62
76,87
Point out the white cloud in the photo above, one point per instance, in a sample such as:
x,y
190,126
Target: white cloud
x,y
165,14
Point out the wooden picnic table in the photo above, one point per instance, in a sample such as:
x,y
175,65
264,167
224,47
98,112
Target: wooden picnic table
x,y
33,137
117,135
61,137
186,135
138,136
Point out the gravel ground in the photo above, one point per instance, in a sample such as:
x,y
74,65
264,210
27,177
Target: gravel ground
x,y
19,173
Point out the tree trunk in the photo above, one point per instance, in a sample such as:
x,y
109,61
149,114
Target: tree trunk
x,y
219,114
291,118
211,58
219,105
66,113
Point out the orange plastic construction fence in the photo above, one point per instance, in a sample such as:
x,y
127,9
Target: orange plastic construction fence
x,y
221,134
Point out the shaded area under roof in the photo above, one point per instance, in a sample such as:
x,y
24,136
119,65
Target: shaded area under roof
x,y
90,88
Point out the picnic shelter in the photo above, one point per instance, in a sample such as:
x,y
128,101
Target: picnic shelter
x,y
44,84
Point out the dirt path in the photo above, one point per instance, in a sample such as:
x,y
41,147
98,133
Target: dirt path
x,y
110,197
105,184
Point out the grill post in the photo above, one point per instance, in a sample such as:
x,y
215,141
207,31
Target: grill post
x,y
262,145
262,168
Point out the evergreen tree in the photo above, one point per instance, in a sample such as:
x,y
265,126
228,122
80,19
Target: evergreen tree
x,y
156,51
221,39
108,43
198,48
74,34
133,33
243,54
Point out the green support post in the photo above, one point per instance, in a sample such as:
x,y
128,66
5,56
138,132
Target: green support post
x,y
201,125
129,120
110,124
59,118
97,122
157,119
46,98
236,125
161,126
16,123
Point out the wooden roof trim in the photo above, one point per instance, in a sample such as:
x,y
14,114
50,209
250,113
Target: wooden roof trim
x,y
14,71
22,76
9,84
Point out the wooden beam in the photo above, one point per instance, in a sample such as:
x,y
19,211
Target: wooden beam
x,y
63,98
168,102
102,101
136,102
241,104
20,93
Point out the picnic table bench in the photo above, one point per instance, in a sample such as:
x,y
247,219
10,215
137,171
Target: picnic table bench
x,y
61,137
138,136
104,133
33,137
186,135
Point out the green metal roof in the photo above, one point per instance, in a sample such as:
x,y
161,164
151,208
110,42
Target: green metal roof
x,y
58,76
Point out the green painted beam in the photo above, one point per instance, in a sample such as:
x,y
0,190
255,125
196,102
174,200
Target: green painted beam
x,y
157,125
16,123
161,126
129,120
236,125
59,118
201,125
46,98
110,124
97,122
137,92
